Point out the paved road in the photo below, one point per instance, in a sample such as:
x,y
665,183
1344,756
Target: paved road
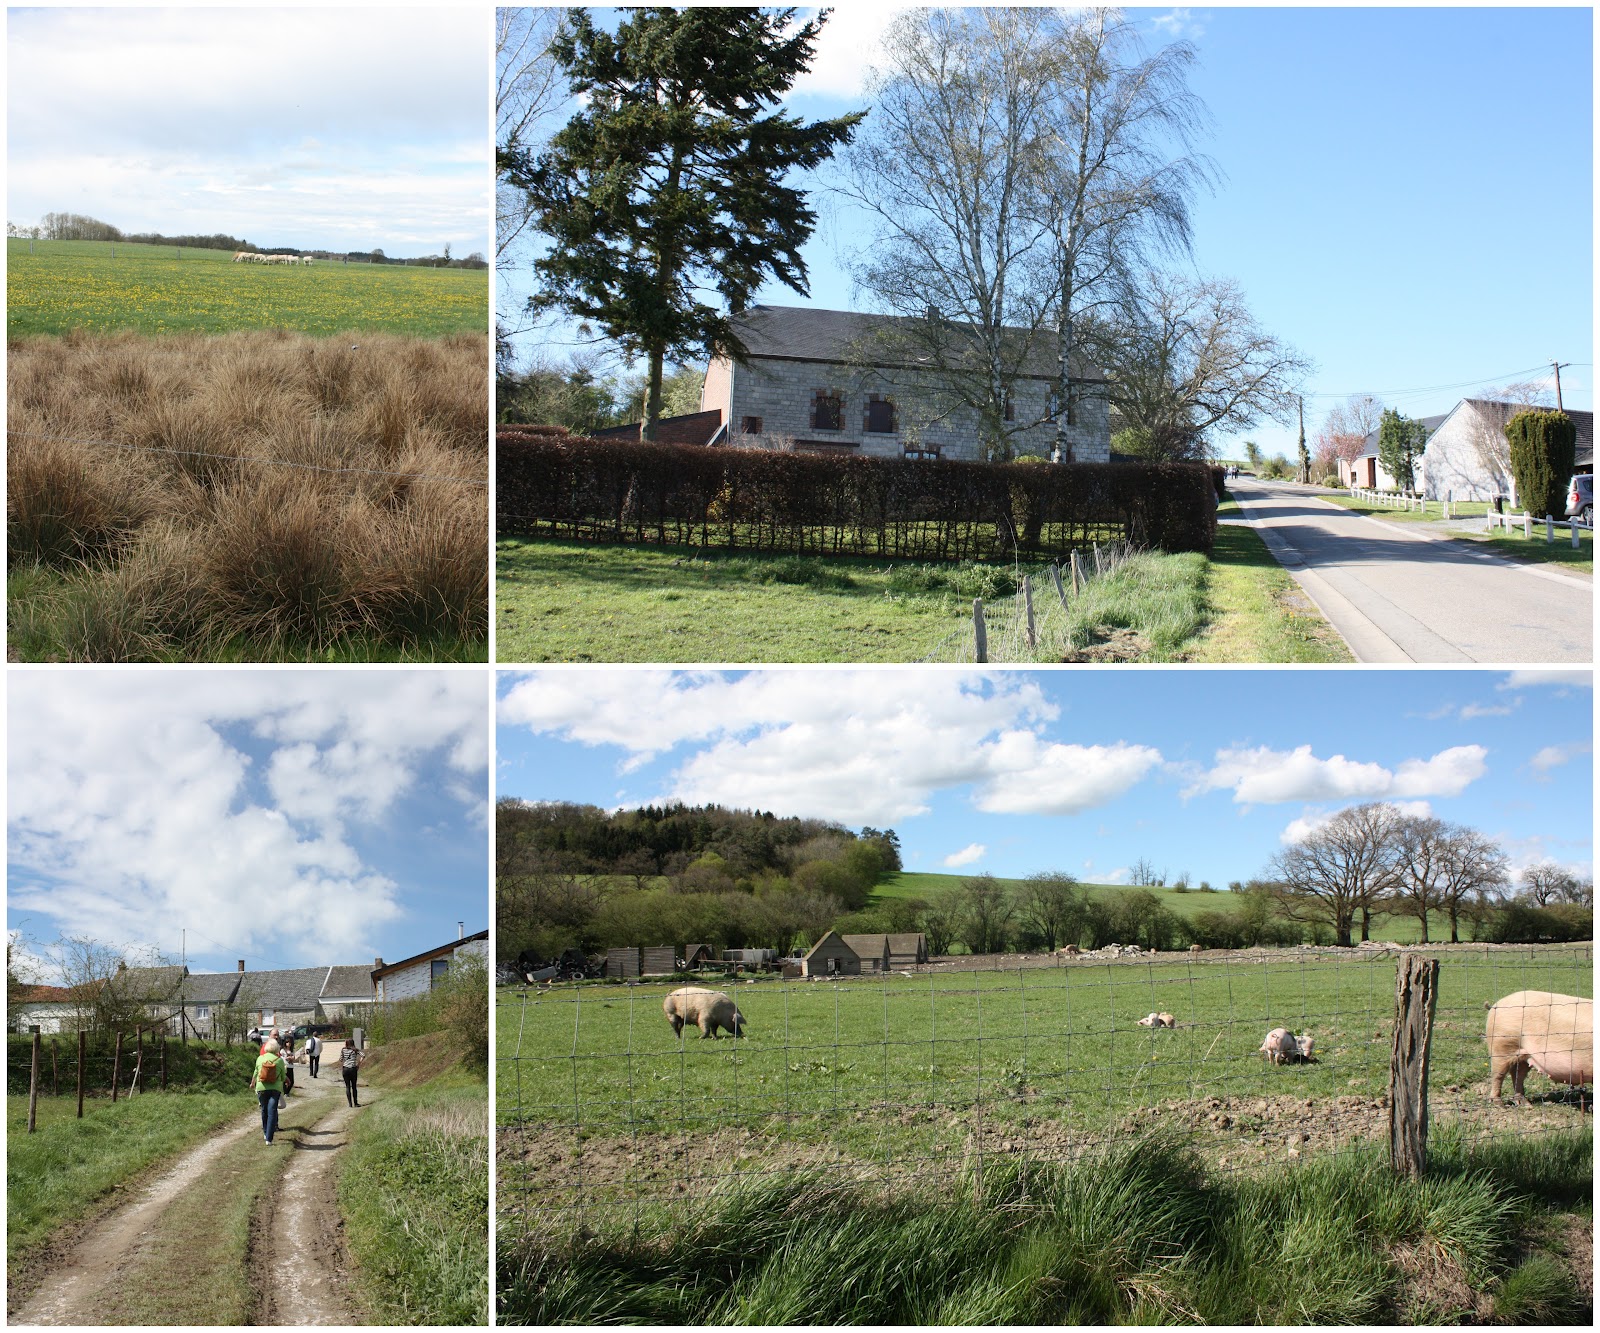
x,y
1400,595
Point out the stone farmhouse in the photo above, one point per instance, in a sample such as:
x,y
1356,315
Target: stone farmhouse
x,y
832,382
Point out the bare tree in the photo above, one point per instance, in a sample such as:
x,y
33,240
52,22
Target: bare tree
x,y
1474,871
943,165
1343,433
1341,871
529,87
1547,882
1142,873
1117,169
1422,864
1186,357
1051,904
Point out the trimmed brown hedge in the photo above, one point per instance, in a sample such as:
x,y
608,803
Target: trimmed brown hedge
x,y
548,483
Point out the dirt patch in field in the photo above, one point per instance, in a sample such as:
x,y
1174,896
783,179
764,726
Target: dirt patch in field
x,y
1111,645
1434,1288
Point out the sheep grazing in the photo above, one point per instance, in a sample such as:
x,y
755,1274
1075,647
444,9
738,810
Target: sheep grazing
x,y
1195,948
242,257
1283,1047
706,1009
1161,1020
1069,951
1537,1029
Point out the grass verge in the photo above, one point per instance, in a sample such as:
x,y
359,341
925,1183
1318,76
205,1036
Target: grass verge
x,y
59,1174
414,1191
563,601
1142,1232
1530,550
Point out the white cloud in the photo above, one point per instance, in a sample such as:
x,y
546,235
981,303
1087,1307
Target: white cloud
x,y
1032,777
1178,23
850,42
133,811
1554,756
1561,679
1263,776
1470,711
966,856
1298,830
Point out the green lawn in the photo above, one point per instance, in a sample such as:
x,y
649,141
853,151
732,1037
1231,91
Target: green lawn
x,y
826,1062
67,285
1532,549
564,601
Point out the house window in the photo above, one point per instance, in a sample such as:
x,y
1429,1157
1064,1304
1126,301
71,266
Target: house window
x,y
439,968
1054,405
1011,409
202,1011
880,416
750,426
923,451
827,411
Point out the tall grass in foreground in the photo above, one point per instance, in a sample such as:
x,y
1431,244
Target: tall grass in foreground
x,y
1141,1233
414,1190
250,495
59,1174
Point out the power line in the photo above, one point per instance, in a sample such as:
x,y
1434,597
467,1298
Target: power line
x,y
1440,388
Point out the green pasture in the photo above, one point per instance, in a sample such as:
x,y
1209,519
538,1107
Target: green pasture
x,y
68,285
836,1061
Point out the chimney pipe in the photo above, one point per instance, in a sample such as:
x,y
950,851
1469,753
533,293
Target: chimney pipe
x,y
461,930
241,965
377,962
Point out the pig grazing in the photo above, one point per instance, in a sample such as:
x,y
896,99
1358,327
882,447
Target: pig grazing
x,y
1552,1033
706,1009
1283,1047
1161,1020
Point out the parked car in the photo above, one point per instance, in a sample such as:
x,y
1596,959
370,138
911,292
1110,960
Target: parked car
x,y
314,1030
1580,498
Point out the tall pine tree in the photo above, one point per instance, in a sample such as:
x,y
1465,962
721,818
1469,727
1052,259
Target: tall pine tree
x,y
669,185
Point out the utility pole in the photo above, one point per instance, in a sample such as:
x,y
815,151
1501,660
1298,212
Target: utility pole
x,y
1558,365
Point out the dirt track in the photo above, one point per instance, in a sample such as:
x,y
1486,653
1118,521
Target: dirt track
x,y
297,1234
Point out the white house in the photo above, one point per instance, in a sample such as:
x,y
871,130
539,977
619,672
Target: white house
x,y
1469,458
51,1007
421,972
1367,472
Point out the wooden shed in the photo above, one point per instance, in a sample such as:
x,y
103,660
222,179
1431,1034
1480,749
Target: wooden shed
x,y
907,950
831,957
623,962
872,950
698,955
658,960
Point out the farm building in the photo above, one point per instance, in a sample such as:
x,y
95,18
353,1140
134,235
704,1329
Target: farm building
x,y
872,950
283,998
345,987
907,950
699,955
51,1007
622,963
419,974
831,957
199,998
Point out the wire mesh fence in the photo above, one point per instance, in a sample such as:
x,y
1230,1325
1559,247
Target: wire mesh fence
x,y
1036,623
921,1077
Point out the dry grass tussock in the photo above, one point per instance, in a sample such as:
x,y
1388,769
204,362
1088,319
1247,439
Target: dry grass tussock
x,y
198,534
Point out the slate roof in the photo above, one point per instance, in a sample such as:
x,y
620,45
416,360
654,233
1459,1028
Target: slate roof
x,y
1369,446
865,946
342,982
800,333
210,987
294,989
157,984
913,944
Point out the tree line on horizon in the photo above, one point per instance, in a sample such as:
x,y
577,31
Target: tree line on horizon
x,y
577,877
78,227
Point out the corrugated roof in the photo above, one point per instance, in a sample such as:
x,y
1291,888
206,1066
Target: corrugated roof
x,y
801,333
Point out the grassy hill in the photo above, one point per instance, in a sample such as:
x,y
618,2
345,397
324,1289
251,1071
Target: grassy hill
x,y
97,287
1184,905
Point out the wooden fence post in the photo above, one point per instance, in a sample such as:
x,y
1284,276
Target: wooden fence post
x,y
33,1081
979,632
1415,995
1055,578
116,1069
163,1063
83,1043
55,1072
1027,601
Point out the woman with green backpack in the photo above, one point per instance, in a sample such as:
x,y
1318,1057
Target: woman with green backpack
x,y
267,1084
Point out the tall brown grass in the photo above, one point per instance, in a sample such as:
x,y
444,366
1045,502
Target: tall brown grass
x,y
257,494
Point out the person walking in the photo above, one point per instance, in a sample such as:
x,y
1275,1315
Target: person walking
x,y
267,1084
287,1046
349,1063
313,1052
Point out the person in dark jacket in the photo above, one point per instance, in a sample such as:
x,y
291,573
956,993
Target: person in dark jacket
x,y
349,1063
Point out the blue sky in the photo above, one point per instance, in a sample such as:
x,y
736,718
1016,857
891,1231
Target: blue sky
x,y
290,818
324,128
1088,771
1407,194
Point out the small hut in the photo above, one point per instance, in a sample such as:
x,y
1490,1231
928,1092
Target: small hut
x,y
831,957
